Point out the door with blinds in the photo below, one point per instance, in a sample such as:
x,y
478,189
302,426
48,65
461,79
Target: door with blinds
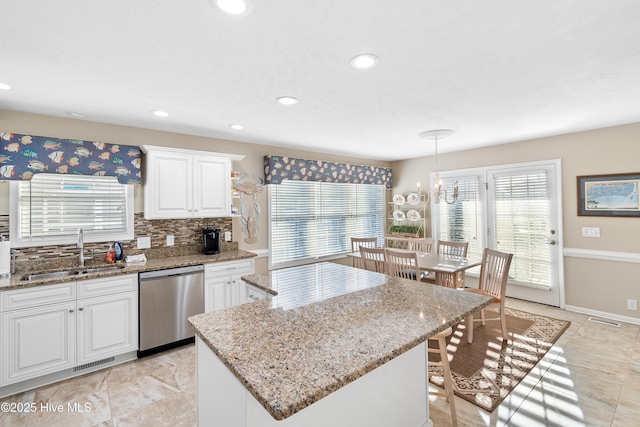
x,y
512,209
523,220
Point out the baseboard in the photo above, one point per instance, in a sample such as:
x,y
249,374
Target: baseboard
x,y
617,317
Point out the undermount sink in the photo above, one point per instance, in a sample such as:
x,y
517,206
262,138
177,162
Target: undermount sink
x,y
66,273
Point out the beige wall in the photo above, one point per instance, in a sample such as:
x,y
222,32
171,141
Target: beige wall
x,y
592,284
16,122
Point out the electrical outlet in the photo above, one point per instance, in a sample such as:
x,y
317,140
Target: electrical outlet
x,y
590,231
227,236
170,240
632,304
144,242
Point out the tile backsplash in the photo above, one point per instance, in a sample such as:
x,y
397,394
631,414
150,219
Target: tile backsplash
x,y
187,241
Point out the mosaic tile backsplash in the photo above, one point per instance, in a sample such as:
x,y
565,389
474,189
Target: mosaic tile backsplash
x,y
187,238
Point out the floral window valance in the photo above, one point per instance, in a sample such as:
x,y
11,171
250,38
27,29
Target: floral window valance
x,y
23,155
280,168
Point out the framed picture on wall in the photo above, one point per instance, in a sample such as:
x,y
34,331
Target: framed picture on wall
x,y
609,195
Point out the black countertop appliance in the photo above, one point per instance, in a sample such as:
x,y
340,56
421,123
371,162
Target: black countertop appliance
x,y
210,240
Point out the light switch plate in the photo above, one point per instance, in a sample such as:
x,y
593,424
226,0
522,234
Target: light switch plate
x,y
590,231
227,236
170,240
144,242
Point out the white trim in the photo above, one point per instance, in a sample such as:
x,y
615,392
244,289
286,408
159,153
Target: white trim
x,y
262,253
603,255
147,148
617,317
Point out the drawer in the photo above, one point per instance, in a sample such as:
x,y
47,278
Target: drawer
x,y
107,285
254,294
226,268
37,296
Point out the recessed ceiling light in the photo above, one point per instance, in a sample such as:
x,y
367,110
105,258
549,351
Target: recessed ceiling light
x,y
236,126
160,113
4,86
76,114
287,100
234,7
364,61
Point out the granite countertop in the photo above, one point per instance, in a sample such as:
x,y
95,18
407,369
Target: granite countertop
x,y
14,281
328,325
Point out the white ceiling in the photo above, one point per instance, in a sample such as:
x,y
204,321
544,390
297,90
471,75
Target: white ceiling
x,y
494,71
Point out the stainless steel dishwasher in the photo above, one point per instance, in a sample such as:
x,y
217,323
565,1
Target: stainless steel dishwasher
x,y
167,299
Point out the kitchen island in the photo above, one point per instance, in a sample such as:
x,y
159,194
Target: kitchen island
x,y
336,346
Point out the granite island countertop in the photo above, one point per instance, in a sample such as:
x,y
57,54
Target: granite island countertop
x,y
14,281
328,325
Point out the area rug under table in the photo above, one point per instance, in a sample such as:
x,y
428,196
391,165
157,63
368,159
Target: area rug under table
x,y
486,371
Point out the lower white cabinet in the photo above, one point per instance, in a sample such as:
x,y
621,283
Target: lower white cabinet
x,y
37,341
87,322
223,286
107,326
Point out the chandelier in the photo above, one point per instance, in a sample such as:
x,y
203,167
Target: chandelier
x,y
438,192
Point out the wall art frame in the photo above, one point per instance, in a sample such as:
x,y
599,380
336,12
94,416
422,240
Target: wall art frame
x,y
613,195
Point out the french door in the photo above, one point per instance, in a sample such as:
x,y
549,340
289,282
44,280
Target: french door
x,y
514,209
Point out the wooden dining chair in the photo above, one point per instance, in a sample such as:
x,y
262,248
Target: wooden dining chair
x,y
402,264
357,243
445,247
421,245
494,273
372,259
425,245
444,371
367,242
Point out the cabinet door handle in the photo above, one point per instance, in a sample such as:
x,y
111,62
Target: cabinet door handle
x,y
70,311
80,309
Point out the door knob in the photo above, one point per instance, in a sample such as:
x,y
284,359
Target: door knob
x,y
552,242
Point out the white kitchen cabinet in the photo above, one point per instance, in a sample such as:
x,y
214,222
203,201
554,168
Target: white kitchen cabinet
x,y
37,341
223,286
186,183
107,323
49,329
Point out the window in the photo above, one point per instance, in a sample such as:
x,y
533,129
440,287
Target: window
x,y
314,220
462,220
51,208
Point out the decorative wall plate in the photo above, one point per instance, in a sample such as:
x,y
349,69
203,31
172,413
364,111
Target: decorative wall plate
x,y
398,199
398,215
413,215
413,199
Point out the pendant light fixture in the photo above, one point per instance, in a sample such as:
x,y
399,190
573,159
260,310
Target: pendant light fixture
x,y
438,192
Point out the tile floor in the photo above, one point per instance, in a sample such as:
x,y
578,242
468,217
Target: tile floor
x,y
591,377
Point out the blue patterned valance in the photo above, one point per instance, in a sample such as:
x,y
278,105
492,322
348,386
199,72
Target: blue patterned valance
x,y
279,168
23,155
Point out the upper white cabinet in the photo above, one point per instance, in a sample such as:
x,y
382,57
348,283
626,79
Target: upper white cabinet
x,y
186,183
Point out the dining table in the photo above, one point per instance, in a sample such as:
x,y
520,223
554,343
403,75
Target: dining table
x,y
448,270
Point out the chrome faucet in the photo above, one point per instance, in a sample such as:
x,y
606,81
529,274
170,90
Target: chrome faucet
x,y
81,257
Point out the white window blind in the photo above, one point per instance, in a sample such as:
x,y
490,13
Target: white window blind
x,y
51,208
312,220
461,221
522,224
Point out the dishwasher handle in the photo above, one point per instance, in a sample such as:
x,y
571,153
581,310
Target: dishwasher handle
x,y
172,272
